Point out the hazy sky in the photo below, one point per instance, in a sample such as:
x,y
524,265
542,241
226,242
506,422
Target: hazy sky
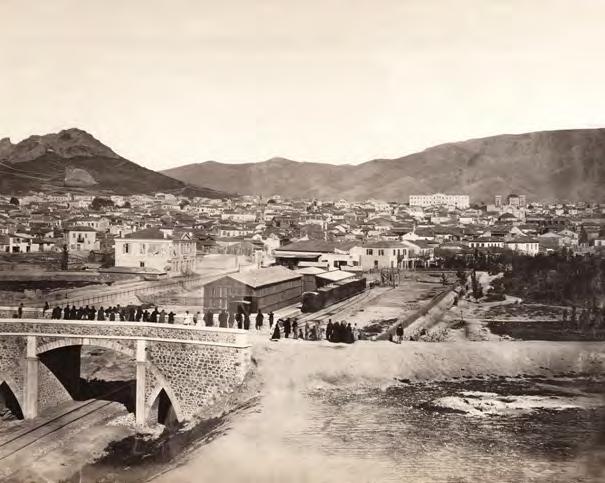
x,y
175,82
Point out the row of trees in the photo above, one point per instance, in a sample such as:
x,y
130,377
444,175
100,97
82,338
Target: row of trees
x,y
557,278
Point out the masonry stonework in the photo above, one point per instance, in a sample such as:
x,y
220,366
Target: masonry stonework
x,y
194,366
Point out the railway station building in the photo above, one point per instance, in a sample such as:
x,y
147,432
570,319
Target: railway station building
x,y
265,289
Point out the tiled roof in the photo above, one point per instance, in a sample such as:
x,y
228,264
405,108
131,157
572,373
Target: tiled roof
x,y
148,234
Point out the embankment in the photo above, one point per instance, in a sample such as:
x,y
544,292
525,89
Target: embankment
x,y
425,317
383,362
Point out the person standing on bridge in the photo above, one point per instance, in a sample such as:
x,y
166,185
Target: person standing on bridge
x,y
101,314
246,321
287,327
223,319
271,316
239,319
259,320
92,313
171,317
209,318
73,313
20,311
162,317
231,319
45,309
66,312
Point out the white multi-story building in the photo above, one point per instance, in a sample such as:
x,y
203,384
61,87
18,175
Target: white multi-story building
x,y
440,199
152,248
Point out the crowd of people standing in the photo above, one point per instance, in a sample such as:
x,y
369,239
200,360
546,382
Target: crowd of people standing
x,y
288,327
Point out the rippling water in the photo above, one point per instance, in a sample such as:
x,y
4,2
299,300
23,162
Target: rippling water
x,y
402,430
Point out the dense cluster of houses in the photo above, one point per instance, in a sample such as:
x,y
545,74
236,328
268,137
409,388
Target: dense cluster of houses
x,y
164,233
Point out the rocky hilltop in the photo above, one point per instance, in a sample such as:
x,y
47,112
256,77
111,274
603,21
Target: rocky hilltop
x,y
545,165
73,158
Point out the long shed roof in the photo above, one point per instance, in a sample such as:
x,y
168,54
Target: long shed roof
x,y
265,276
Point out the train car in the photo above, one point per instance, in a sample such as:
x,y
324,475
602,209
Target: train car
x,y
331,294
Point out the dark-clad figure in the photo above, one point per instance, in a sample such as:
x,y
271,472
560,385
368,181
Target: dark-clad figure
x,y
259,320
276,335
329,329
73,313
231,319
146,315
153,317
92,313
239,318
20,311
295,327
101,314
66,312
209,318
336,333
56,312
349,336
112,316
246,321
222,319
271,318
399,332
139,314
171,317
162,317
287,327
45,309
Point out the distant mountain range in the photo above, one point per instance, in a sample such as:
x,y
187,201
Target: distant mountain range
x,y
73,159
546,165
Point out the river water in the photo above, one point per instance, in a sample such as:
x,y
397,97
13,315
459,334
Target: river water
x,y
524,430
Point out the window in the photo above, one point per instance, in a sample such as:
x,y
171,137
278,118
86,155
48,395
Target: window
x,y
142,264
380,253
126,248
369,251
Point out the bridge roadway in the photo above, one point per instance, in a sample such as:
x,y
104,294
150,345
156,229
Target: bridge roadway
x,y
183,366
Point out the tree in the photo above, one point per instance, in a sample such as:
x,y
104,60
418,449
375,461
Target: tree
x,y
99,203
127,205
184,203
65,258
476,287
14,201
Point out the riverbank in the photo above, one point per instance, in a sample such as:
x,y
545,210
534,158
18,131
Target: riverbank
x,y
320,403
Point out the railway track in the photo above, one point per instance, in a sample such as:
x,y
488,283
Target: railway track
x,y
15,444
336,308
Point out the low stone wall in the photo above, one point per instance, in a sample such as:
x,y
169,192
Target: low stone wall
x,y
425,316
122,330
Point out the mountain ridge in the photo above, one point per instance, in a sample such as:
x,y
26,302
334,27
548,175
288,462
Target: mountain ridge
x,y
74,159
545,165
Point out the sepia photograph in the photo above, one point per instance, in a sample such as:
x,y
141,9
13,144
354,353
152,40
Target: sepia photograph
x,y
319,241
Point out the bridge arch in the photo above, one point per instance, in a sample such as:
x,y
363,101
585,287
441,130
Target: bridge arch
x,y
161,382
104,343
12,399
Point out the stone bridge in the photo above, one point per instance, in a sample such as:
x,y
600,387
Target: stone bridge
x,y
180,366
